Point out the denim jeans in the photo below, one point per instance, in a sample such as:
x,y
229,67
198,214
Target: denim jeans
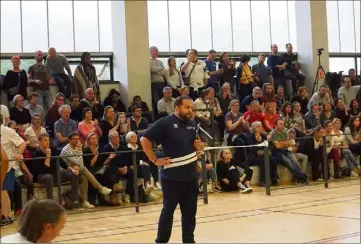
x,y
288,160
350,159
44,98
64,83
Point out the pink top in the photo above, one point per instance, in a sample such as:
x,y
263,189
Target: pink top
x,y
84,130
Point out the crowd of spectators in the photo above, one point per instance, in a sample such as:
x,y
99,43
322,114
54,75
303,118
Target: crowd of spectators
x,y
239,106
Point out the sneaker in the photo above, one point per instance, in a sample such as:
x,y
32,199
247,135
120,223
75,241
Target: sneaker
x,y
105,191
158,186
87,204
331,179
125,198
244,189
319,179
209,188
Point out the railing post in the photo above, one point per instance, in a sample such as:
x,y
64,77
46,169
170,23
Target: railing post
x,y
58,177
267,170
135,178
325,162
204,178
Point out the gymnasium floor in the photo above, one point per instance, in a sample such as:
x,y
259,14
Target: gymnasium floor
x,y
302,214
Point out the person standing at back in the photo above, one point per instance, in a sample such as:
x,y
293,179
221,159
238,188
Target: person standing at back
x,y
177,136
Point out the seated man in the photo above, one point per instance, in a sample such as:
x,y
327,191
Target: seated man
x,y
137,122
118,168
72,155
90,101
166,104
256,95
279,147
44,170
63,127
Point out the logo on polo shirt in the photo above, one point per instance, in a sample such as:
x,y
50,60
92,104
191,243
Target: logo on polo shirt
x,y
191,128
175,126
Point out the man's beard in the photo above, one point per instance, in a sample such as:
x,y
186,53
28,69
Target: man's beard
x,y
184,116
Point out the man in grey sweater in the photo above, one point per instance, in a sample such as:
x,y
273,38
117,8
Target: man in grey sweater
x,y
55,64
158,75
347,92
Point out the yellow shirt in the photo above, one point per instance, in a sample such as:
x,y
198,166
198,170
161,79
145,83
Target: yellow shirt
x,y
246,72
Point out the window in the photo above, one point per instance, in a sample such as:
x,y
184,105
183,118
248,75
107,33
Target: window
x,y
86,26
105,26
10,27
35,29
341,64
332,26
158,25
201,26
242,28
221,25
357,13
279,24
179,26
292,23
347,24
358,66
61,35
260,26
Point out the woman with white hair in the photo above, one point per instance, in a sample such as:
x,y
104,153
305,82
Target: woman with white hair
x,y
141,161
20,114
256,154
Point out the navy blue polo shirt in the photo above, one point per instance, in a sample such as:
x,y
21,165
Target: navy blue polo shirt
x,y
212,66
177,139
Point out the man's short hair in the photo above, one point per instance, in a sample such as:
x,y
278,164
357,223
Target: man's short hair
x,y
179,101
135,107
72,134
33,94
43,135
288,44
256,89
73,96
62,107
254,102
152,47
15,99
112,134
324,86
211,51
277,120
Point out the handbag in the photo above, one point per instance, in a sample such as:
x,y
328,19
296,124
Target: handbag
x,y
187,79
14,90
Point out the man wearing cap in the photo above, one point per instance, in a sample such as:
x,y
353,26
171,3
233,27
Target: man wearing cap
x,y
177,136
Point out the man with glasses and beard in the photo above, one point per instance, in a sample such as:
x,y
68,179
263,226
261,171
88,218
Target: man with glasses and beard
x,y
177,135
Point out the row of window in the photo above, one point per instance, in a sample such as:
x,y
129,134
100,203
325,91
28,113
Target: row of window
x,y
69,26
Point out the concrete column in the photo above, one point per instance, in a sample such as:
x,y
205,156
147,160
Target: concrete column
x,y
131,49
311,24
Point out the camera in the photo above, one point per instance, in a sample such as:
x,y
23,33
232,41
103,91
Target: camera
x,y
319,51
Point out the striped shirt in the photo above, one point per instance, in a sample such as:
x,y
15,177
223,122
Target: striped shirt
x,y
76,160
57,65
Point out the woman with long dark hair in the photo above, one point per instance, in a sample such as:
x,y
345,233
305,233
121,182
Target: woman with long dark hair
x,y
268,93
353,134
229,69
85,76
355,108
174,77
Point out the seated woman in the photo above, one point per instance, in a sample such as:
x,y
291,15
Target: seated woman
x,y
355,108
313,148
298,116
269,117
302,98
341,112
236,127
256,154
142,162
32,133
211,174
185,91
113,99
225,97
333,153
217,111
85,77
353,135
20,114
312,118
88,126
268,93
327,113
230,176
342,144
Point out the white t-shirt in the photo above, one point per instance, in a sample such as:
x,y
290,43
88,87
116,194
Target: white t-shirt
x,y
32,136
15,238
4,111
10,140
198,75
